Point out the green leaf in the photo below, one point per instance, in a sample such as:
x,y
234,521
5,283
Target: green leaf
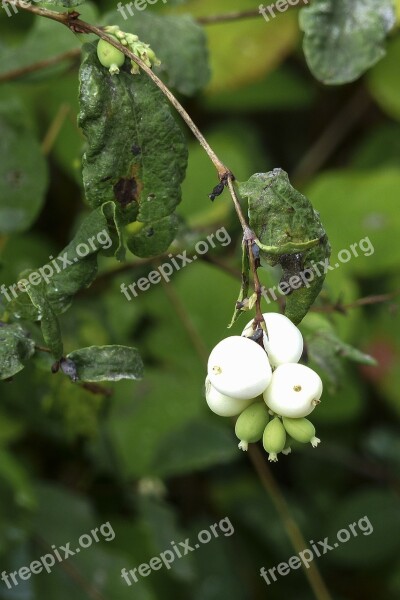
x,y
326,349
136,155
107,363
290,233
368,225
344,38
48,321
23,177
199,445
155,238
15,349
178,41
75,267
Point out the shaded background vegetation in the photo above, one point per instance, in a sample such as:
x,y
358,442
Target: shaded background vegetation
x,y
149,456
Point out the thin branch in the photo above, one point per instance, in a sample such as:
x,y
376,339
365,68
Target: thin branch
x,y
249,240
42,349
75,52
55,128
332,136
186,321
76,25
368,300
41,64
292,529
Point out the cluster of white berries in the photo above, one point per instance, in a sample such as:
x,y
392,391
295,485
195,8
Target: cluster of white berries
x,y
258,381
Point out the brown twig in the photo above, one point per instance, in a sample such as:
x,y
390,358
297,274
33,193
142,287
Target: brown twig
x,y
42,349
332,136
249,240
292,529
368,300
76,25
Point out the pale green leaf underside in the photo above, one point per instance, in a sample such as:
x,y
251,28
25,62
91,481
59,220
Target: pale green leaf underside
x,y
107,363
15,349
344,38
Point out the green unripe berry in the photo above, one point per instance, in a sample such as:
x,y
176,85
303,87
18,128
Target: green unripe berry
x,y
301,430
274,439
251,423
109,56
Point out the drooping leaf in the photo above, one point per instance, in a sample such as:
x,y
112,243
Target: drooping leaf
x,y
290,233
15,349
23,177
326,350
178,41
136,155
106,363
344,38
48,321
75,267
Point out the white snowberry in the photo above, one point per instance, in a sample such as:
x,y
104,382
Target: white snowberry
x,y
222,405
284,343
295,391
239,368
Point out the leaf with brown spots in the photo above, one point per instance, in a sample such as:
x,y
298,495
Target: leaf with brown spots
x,y
136,154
